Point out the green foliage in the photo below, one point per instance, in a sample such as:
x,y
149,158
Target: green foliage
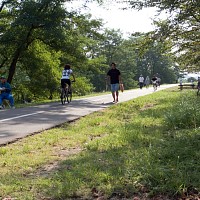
x,y
112,41
37,38
152,58
40,72
33,46
126,60
30,21
96,72
181,28
50,24
82,86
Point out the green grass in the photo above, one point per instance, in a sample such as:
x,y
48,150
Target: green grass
x,y
144,146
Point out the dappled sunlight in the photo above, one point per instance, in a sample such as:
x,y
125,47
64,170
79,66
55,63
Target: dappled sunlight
x,y
120,152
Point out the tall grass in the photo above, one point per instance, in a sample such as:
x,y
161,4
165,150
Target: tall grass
x,y
130,149
185,112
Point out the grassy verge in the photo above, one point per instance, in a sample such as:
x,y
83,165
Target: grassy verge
x,y
144,148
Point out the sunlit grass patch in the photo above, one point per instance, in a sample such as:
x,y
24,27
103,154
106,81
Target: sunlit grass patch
x,y
126,149
185,112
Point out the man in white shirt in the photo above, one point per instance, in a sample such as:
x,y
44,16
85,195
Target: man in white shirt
x,y
141,81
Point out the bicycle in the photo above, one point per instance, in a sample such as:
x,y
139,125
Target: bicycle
x,y
66,95
154,85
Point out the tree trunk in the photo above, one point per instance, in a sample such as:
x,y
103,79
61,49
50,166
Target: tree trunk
x,y
13,65
17,55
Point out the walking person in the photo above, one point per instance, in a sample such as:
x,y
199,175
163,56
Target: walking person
x,y
198,86
147,82
159,81
5,92
141,81
114,77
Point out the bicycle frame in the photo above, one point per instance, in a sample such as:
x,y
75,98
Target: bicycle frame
x,y
154,85
66,95
63,96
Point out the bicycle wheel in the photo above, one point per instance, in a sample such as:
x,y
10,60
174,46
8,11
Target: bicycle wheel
x,y
154,87
63,97
70,96
67,96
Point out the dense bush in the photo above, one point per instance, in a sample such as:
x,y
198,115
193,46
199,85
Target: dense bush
x,y
82,86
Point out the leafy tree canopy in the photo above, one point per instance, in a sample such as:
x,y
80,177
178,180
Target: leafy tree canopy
x,y
182,27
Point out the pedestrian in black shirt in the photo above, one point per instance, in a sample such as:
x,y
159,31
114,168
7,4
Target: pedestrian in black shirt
x,y
114,76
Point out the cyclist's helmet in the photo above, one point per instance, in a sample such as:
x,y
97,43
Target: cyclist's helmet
x,y
67,66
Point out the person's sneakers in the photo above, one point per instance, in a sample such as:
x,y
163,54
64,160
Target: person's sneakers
x,y
12,107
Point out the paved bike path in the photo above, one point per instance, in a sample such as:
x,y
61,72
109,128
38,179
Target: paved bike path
x,y
21,122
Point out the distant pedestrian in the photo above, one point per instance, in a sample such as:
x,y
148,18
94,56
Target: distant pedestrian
x,y
147,82
141,81
181,81
158,81
114,77
198,82
198,85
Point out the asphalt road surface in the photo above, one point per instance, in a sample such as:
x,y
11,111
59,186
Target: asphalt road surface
x,y
21,122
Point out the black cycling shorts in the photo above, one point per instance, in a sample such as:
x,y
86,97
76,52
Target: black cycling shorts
x,y
64,82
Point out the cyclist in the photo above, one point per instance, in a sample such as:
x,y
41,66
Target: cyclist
x,y
154,82
65,79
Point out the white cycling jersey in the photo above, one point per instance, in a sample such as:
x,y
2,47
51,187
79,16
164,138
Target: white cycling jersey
x,y
66,73
154,82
